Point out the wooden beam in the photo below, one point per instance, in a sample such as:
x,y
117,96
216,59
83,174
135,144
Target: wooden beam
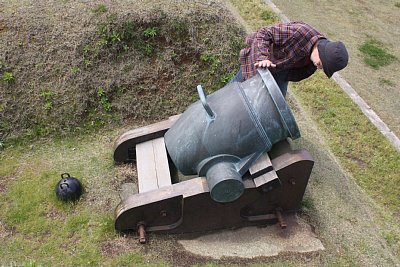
x,y
152,165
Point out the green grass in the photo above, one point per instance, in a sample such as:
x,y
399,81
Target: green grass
x,y
36,228
269,16
255,13
375,55
100,9
361,148
8,77
387,82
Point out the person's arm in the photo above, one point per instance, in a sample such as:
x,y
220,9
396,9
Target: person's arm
x,y
302,73
265,38
291,42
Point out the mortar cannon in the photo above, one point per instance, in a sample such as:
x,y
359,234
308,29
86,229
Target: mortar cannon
x,y
222,135
235,142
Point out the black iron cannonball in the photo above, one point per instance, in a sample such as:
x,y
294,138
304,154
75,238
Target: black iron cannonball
x,y
68,188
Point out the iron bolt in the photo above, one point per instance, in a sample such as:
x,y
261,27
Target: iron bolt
x,y
163,213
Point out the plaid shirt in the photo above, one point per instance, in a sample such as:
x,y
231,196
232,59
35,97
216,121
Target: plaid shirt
x,y
289,46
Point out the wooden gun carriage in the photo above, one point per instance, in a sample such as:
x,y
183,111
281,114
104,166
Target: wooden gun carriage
x,y
235,142
168,202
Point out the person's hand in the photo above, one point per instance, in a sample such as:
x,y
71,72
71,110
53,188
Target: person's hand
x,y
264,64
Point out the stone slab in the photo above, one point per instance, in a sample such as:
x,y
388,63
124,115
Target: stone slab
x,y
250,242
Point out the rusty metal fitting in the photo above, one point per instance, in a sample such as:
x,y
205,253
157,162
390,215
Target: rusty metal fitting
x,y
141,232
281,221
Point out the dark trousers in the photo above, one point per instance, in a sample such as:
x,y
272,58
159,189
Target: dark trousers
x,y
280,78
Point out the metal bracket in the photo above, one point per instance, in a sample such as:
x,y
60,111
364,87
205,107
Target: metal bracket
x,y
203,99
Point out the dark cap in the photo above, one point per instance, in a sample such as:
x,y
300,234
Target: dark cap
x,y
333,56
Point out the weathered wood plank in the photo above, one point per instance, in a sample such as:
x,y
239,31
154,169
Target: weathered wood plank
x,y
161,163
262,165
265,178
152,165
146,169
124,146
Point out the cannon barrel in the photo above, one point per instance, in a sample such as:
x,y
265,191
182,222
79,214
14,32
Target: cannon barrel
x,y
222,134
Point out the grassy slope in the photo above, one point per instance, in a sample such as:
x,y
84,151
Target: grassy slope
x,y
138,61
